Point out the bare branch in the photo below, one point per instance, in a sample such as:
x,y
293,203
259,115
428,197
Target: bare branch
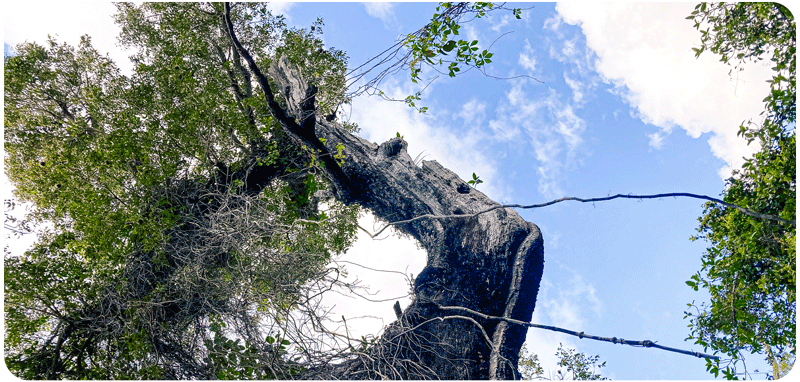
x,y
592,200
645,343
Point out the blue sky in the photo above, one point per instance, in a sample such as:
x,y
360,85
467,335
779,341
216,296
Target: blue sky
x,y
619,105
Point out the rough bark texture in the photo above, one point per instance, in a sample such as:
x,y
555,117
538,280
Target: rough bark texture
x,y
491,263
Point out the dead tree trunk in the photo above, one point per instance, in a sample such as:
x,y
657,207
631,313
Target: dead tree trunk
x,y
491,263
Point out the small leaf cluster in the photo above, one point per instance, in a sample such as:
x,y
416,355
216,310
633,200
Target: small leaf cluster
x,y
439,39
475,181
578,365
409,100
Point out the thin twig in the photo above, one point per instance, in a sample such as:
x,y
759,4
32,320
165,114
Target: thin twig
x,y
372,269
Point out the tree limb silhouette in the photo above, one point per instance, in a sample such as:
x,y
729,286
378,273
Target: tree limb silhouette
x,y
645,343
592,200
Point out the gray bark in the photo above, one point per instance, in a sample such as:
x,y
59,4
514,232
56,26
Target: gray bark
x,y
491,263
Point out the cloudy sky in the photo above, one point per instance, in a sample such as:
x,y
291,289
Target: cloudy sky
x,y
605,99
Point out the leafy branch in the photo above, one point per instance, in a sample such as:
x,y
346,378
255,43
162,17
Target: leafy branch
x,y
475,181
436,44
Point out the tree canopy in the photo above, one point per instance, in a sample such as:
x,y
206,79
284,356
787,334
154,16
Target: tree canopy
x,y
172,205
750,267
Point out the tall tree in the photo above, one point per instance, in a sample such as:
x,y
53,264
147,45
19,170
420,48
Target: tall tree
x,y
750,267
182,231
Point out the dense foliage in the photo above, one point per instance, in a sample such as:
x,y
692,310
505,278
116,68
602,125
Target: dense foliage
x,y
180,228
182,233
750,267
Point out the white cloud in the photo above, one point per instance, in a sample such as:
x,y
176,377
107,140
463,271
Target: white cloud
x,y
553,130
656,140
506,127
382,11
566,53
545,342
563,305
501,23
388,253
568,50
473,112
575,85
645,51
526,58
568,125
553,239
281,8
460,149
552,23
67,22
573,53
